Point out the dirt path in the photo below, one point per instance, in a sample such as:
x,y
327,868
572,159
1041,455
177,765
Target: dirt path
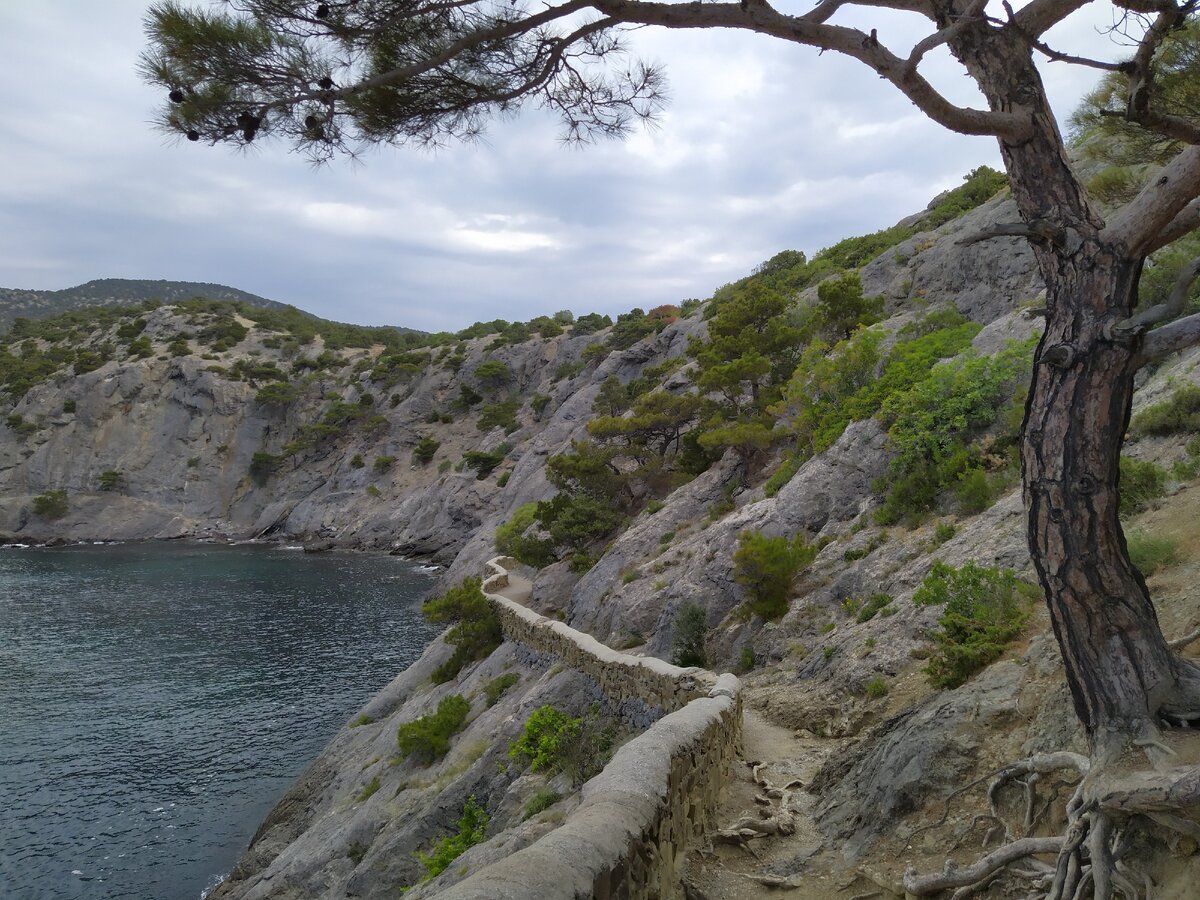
x,y
722,875
518,590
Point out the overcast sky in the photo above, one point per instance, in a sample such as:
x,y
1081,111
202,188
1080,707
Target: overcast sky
x,y
764,147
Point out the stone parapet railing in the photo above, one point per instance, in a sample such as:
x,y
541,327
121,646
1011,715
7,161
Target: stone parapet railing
x,y
627,838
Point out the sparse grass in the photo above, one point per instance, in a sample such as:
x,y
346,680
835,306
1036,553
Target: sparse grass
x,y
496,688
540,802
361,719
369,789
1152,552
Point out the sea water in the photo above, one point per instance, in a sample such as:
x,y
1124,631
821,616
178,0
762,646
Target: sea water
x,y
157,699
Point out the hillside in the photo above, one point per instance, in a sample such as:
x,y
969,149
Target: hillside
x,y
849,419
33,304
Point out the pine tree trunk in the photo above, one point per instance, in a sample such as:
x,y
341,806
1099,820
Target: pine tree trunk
x,y
1121,672
1118,665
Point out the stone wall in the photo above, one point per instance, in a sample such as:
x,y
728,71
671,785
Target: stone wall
x,y
636,819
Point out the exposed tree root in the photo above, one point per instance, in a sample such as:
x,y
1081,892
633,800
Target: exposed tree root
x,y
774,817
1104,815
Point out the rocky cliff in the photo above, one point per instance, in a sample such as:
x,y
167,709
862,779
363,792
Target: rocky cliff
x,y
185,440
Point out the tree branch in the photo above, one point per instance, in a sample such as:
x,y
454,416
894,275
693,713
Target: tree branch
x,y
970,15
1038,230
1042,15
1147,215
1162,312
851,42
1185,223
1171,338
825,10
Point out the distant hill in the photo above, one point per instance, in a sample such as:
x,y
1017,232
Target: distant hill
x,y
15,302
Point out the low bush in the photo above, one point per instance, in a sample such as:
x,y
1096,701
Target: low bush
x,y
484,462
426,447
496,688
503,415
985,608
1178,413
472,828
766,567
1151,552
428,738
382,464
51,505
871,606
545,740
691,627
512,540
475,632
540,802
552,741
1142,482
109,480
877,687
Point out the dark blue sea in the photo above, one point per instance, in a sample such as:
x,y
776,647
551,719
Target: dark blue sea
x,y
157,699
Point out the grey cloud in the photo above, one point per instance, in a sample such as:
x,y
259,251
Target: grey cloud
x,y
764,147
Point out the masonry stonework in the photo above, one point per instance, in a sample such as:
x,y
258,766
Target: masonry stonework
x,y
627,838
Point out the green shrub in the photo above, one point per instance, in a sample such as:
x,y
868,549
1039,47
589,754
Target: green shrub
x,y
496,688
1178,413
426,447
492,373
1151,552
356,851
871,606
553,741
746,659
540,802
68,406
51,505
767,566
109,480
484,462
428,738
545,740
382,464
691,627
942,532
877,687
263,466
476,629
511,539
654,506
193,462
472,827
360,720
503,415
444,466
17,423
781,476
933,423
1142,482
973,491
985,608
538,404
356,461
